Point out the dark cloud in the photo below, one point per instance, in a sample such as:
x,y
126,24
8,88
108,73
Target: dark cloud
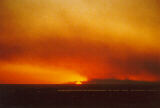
x,y
136,63
97,59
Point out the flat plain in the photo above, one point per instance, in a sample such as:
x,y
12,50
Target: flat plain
x,y
80,96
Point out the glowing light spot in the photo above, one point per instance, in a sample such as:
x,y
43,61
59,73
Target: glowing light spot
x,y
78,82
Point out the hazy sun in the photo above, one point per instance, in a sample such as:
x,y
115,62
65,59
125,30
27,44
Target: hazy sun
x,y
78,82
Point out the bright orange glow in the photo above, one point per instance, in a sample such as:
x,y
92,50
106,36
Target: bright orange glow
x,y
75,41
78,82
40,74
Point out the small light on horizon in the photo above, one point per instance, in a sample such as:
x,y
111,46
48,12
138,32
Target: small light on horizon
x,y
78,83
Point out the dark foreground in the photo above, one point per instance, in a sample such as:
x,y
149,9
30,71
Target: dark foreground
x,y
83,96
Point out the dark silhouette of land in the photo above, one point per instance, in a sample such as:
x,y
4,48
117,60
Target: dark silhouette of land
x,y
80,96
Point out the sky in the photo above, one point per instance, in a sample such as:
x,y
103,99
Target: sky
x,y
64,41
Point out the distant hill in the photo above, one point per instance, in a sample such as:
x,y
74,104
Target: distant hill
x,y
116,81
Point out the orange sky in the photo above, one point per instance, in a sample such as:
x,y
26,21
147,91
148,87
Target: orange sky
x,y
63,41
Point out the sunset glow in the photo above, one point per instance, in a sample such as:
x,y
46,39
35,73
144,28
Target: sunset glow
x,y
65,41
41,74
78,82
